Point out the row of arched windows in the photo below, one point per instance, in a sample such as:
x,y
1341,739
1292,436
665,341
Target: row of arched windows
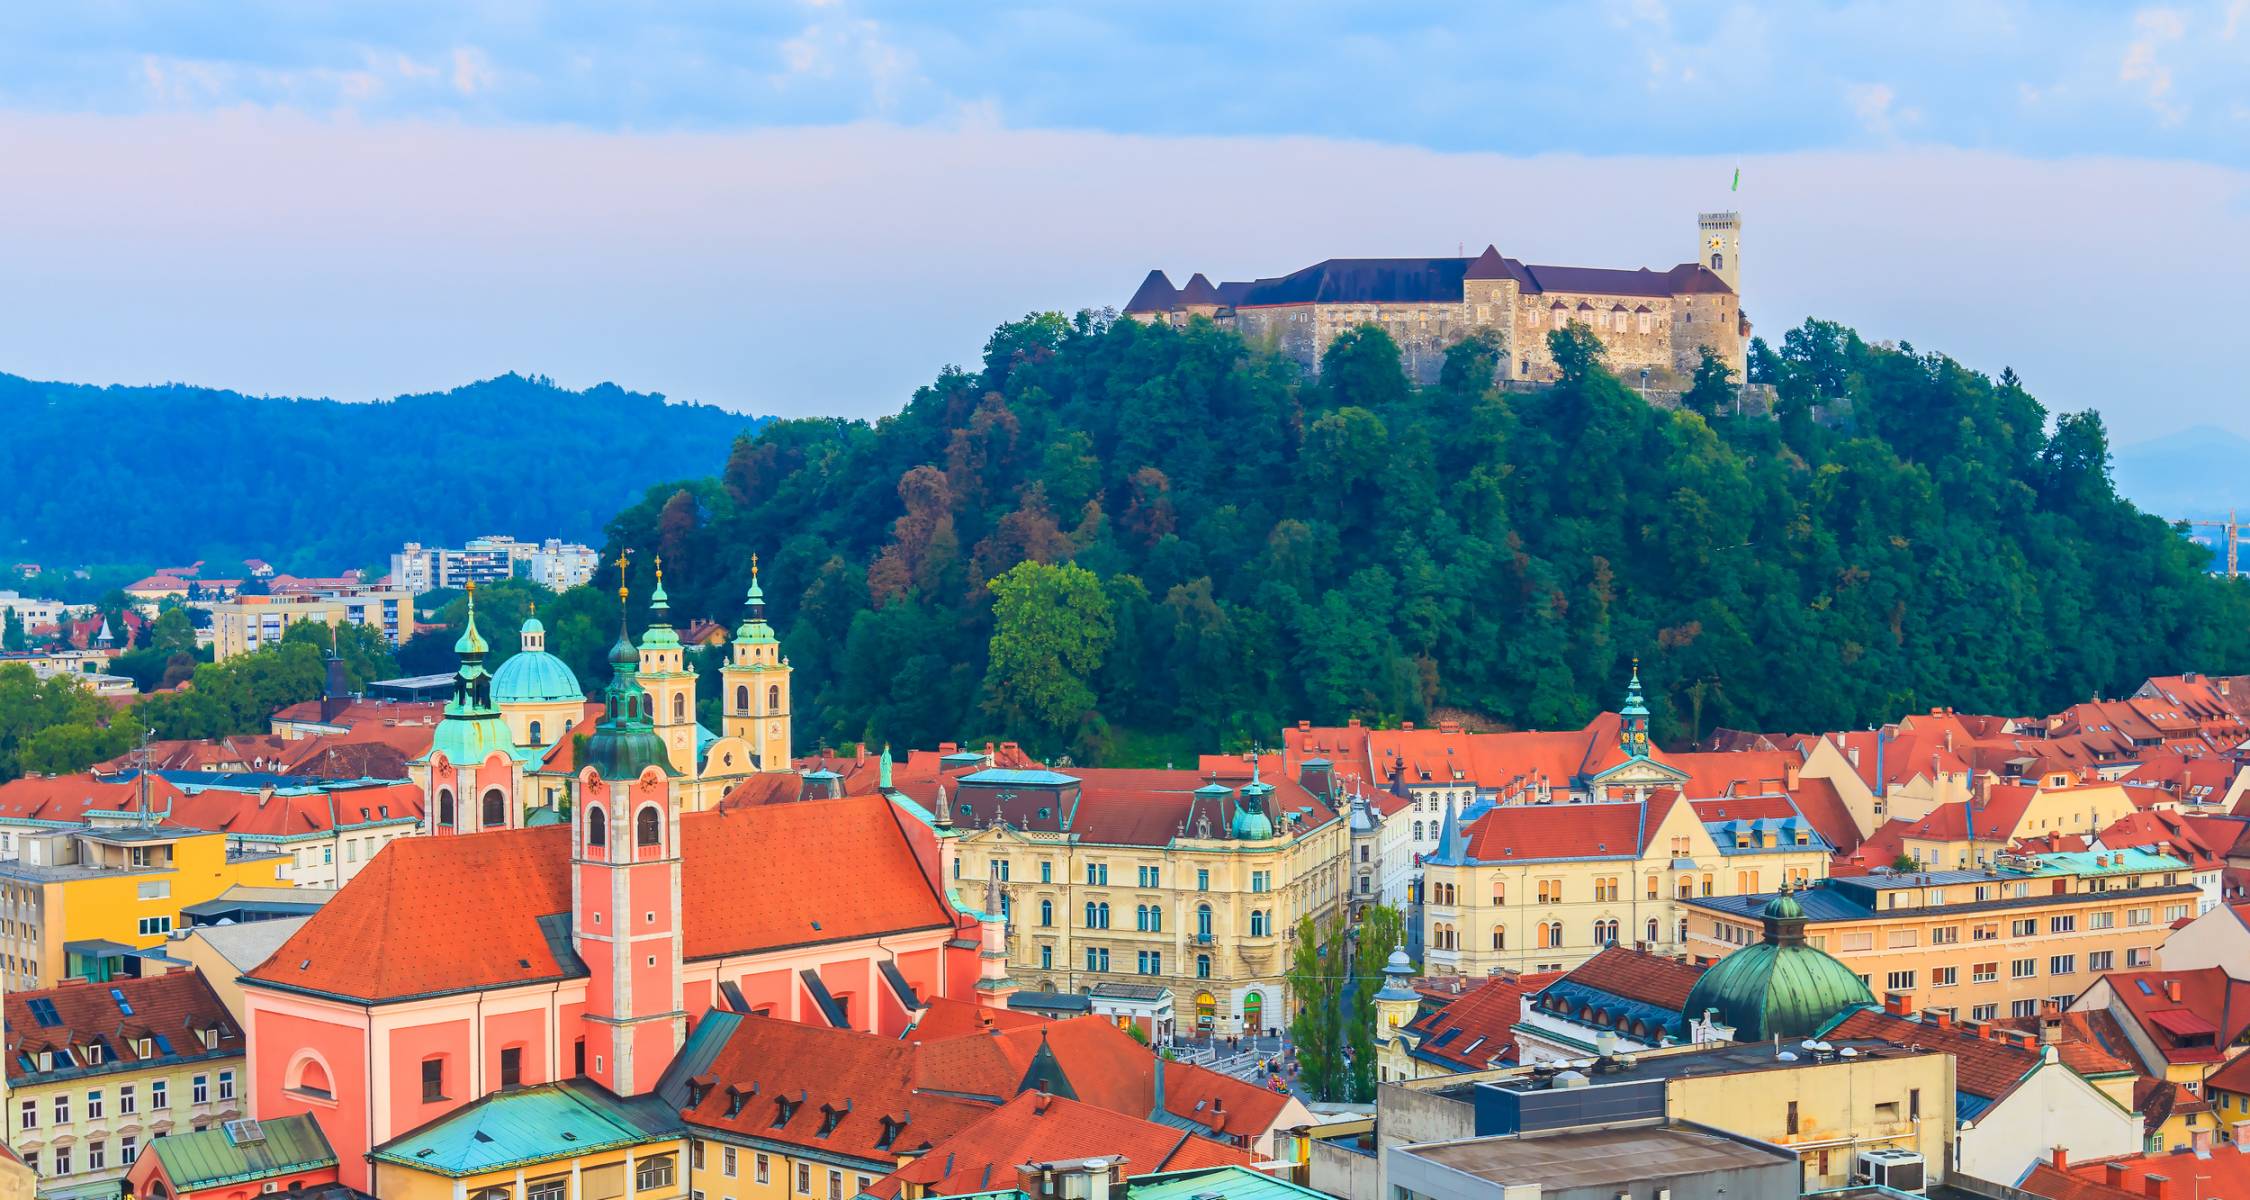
x,y
742,698
648,826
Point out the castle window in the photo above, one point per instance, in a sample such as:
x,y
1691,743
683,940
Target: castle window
x,y
742,698
1647,320
1562,318
647,827
597,827
445,808
1718,262
495,809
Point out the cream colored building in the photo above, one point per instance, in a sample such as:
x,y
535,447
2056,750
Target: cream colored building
x,y
1168,878
96,1070
248,623
1981,944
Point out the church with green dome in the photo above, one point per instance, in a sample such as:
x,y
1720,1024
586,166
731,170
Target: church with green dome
x,y
505,754
1780,987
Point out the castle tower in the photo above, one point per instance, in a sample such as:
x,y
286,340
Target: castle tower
x,y
756,684
669,681
1719,246
1396,1003
625,890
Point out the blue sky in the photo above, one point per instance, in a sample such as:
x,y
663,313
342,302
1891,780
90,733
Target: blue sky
x,y
809,207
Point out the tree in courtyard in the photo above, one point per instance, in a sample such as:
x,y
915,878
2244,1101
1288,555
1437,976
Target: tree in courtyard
x,y
1713,390
1381,929
1315,977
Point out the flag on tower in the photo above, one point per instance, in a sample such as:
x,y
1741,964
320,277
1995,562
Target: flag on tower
x,y
1737,185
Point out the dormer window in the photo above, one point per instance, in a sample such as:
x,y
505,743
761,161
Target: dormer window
x,y
783,1109
831,1116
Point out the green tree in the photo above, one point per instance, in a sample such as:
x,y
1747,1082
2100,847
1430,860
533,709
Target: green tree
x,y
1576,351
1315,978
1051,627
12,635
1713,390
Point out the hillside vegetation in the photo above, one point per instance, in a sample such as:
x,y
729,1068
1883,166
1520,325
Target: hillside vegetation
x,y
1218,544
171,474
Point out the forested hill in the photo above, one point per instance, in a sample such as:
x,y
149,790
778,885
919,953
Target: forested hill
x,y
175,473
1258,547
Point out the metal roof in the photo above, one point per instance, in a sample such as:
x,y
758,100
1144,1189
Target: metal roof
x,y
213,1157
528,1125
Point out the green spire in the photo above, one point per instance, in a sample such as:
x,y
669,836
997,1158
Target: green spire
x,y
659,634
883,769
754,627
625,741
471,642
1632,718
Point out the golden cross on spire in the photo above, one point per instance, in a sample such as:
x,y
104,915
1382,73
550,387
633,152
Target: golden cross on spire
x,y
659,568
753,565
624,562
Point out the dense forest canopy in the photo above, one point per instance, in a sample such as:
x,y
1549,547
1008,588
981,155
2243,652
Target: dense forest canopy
x,y
172,474
1235,544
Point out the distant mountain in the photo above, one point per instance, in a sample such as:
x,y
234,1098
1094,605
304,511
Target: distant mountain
x,y
2196,473
171,472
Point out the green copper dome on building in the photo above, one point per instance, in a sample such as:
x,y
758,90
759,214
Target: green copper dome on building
x,y
534,676
624,742
471,727
1780,987
1252,823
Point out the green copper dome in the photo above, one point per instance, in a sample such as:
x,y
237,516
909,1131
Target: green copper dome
x,y
1780,987
1251,821
535,677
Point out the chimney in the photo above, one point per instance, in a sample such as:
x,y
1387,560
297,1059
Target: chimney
x,y
2199,1140
2062,1158
1406,726
1899,1004
2113,1174
2172,990
1944,1018
2156,1187
1791,771
859,753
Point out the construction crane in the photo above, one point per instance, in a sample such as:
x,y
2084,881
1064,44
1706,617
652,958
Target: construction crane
x,y
2230,532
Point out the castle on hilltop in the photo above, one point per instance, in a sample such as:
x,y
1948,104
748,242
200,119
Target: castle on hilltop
x,y
1654,321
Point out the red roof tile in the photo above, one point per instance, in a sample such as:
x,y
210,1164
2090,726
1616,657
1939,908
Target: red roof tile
x,y
1985,1066
2208,995
857,1079
176,1007
1638,975
2225,1173
1529,832
432,915
1039,1128
1475,1029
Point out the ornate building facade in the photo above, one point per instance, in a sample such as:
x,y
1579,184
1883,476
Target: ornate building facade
x,y
1653,321
503,756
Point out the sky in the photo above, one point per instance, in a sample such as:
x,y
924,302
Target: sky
x,y
804,208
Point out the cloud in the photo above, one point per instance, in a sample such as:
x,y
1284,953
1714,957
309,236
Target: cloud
x,y
2154,29
833,270
472,71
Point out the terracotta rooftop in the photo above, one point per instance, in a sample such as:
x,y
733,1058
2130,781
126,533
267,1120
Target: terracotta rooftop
x,y
439,915
172,1012
1037,1127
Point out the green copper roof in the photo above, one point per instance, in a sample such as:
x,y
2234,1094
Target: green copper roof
x,y
1780,987
213,1158
471,642
520,1127
754,627
659,635
465,740
535,676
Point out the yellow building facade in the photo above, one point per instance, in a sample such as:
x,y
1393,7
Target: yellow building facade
x,y
1983,944
1152,877
248,623
557,1141
76,901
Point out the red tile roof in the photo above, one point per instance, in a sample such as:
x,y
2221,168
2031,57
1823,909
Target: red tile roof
x,y
1475,1029
176,1007
434,915
1104,1066
821,1072
2090,1043
944,1017
2208,995
1631,974
1529,832
2225,1173
1039,1128
1986,1066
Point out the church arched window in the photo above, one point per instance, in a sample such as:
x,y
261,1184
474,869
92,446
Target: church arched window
x,y
679,706
495,809
445,808
773,697
597,826
742,698
535,733
647,827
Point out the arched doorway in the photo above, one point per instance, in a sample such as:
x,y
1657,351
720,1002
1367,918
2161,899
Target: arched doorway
x,y
1206,1013
1254,1014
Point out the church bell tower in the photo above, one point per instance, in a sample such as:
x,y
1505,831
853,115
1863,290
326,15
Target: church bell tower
x,y
756,684
1719,247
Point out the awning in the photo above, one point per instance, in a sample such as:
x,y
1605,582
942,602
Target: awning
x,y
2179,1022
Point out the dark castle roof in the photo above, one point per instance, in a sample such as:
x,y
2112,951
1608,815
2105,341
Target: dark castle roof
x,y
1420,281
1156,294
